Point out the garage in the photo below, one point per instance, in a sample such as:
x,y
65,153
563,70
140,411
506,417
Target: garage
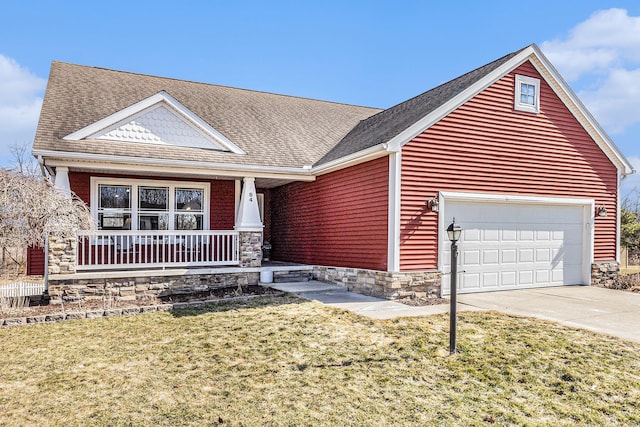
x,y
511,242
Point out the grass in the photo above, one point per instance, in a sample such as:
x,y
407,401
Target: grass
x,y
287,362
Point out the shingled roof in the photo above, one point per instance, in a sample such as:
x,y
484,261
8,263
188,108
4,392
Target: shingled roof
x,y
382,127
274,130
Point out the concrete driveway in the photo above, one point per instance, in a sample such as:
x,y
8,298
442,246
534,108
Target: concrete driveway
x,y
602,310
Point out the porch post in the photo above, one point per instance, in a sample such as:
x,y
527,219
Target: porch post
x,y
62,180
249,224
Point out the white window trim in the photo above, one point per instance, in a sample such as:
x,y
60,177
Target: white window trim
x,y
518,105
135,183
260,197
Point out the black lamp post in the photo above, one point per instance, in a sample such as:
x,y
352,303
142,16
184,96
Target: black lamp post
x,y
453,232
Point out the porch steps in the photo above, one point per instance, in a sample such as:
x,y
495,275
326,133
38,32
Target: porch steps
x,y
291,276
307,287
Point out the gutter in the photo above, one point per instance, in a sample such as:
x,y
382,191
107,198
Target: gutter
x,y
361,156
304,173
115,164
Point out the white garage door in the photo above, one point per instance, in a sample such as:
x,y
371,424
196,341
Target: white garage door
x,y
515,245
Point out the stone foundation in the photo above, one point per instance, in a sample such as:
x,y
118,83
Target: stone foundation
x,y
383,284
605,274
132,288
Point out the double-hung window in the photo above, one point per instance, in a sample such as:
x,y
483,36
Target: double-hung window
x,y
130,204
114,207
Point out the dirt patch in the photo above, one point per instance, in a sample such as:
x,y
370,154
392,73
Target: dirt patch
x,y
221,293
35,308
418,302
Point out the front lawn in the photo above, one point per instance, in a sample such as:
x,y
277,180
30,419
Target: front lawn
x,y
284,361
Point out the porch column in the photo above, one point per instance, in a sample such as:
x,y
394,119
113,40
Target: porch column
x,y
61,258
62,180
249,224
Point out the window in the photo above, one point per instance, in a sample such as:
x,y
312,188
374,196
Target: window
x,y
527,94
153,208
150,205
114,207
189,209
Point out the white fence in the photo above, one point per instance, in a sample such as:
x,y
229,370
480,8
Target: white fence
x,y
113,250
21,289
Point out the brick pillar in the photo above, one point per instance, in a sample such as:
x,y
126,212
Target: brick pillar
x,y
250,248
62,255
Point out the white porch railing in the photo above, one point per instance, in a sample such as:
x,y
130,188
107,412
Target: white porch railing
x,y
113,250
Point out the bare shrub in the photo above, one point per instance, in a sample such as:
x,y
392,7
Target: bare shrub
x,y
630,282
31,208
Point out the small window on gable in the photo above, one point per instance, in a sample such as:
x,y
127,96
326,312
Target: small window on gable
x,y
527,94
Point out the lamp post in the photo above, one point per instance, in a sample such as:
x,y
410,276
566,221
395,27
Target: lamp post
x,y
453,232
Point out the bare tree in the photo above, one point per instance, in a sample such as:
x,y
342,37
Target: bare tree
x,y
32,208
23,161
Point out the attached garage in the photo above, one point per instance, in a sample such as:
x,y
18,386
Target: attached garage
x,y
516,242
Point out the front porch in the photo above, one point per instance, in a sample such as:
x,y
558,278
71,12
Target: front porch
x,y
160,271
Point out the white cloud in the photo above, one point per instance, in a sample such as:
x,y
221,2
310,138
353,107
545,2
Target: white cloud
x,y
602,56
20,102
616,103
608,38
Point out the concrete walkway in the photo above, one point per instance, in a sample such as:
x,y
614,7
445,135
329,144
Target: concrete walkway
x,y
375,308
608,311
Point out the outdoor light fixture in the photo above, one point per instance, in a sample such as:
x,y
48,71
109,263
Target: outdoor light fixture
x,y
453,232
601,210
433,204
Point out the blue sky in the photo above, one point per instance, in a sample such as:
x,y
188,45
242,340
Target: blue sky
x,y
373,53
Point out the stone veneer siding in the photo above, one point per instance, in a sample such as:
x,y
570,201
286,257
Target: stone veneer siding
x,y
130,289
62,255
250,248
606,274
382,284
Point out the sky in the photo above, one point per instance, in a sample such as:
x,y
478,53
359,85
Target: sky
x,y
372,53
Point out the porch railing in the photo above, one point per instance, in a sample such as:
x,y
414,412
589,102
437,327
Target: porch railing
x,y
112,250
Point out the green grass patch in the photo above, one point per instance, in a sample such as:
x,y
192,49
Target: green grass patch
x,y
287,362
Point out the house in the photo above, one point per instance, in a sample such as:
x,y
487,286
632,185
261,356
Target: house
x,y
188,180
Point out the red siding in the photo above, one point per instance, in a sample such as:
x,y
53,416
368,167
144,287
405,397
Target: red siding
x,y
339,220
222,201
486,146
223,205
35,261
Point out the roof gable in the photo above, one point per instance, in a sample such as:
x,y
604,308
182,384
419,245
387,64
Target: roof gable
x,y
396,126
159,119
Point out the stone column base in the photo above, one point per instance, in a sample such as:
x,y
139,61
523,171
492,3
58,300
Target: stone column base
x,y
605,274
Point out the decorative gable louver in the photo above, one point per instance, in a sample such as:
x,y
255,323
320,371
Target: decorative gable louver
x,y
159,119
